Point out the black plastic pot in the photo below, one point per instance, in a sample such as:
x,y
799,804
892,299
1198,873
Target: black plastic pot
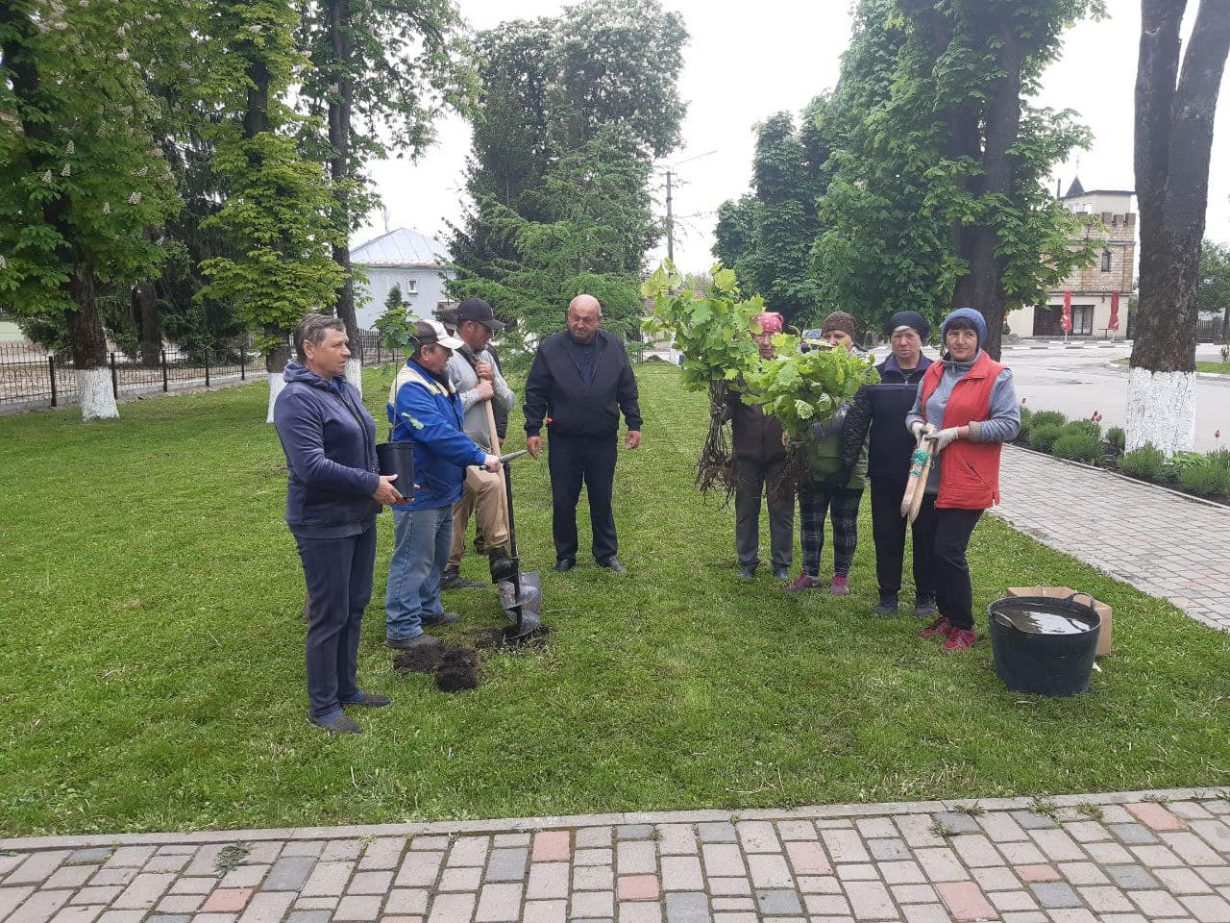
x,y
398,458
1042,645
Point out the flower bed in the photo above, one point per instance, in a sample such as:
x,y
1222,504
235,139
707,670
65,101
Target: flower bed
x,y
1204,475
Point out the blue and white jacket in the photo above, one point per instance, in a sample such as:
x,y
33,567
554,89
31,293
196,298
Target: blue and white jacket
x,y
424,409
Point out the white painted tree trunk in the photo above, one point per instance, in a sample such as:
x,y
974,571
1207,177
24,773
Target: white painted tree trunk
x,y
354,373
276,384
1161,410
97,398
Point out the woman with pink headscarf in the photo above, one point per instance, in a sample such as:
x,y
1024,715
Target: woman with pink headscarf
x,y
759,459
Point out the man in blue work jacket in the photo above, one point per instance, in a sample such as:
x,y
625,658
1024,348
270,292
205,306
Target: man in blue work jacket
x,y
425,409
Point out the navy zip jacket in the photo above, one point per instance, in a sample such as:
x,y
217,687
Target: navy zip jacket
x,y
882,408
330,443
556,388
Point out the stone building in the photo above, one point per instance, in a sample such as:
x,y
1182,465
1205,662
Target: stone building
x,y
1099,289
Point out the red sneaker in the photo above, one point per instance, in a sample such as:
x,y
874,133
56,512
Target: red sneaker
x,y
938,628
840,585
959,639
804,582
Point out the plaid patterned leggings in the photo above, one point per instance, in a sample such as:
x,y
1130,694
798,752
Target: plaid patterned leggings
x,y
814,504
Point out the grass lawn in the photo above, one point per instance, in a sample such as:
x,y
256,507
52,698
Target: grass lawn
x,y
1216,368
151,668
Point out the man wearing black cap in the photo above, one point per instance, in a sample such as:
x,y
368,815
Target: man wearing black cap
x,y
478,381
882,408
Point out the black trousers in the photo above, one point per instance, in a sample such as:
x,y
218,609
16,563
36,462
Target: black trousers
x,y
888,533
588,460
954,596
339,585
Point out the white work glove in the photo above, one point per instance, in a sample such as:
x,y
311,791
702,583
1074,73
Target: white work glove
x,y
944,438
921,428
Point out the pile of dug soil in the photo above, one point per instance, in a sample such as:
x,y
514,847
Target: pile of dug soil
x,y
458,670
454,668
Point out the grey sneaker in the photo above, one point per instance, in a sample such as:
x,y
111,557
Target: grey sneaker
x,y
410,644
888,606
342,724
444,618
924,607
747,571
454,581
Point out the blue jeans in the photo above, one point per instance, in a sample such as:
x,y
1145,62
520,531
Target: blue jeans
x,y
420,551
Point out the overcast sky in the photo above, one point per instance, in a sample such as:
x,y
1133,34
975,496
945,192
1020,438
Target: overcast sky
x,y
741,69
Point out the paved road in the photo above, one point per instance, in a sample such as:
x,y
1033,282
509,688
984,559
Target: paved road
x,y
1079,859
1080,381
1160,542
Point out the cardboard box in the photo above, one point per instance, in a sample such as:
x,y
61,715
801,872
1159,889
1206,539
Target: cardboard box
x,y
1063,592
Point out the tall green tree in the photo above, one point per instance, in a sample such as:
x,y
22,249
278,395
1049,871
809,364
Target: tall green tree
x,y
81,179
382,71
594,240
278,212
767,236
1175,112
939,191
574,110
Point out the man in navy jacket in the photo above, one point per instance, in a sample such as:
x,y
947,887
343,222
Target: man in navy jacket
x,y
580,381
334,494
424,409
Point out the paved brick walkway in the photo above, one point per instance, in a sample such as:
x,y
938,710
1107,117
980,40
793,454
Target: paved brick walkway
x,y
1166,545
1121,858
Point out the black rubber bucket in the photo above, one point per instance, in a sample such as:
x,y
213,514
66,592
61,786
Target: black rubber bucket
x,y
1044,646
398,458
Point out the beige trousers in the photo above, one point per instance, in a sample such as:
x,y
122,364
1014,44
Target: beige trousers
x,y
482,495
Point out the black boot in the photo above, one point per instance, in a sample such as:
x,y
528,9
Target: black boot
x,y
501,565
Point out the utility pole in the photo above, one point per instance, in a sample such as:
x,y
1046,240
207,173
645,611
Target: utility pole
x,y
670,213
670,224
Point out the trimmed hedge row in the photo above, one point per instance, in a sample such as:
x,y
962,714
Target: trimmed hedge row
x,y
1205,475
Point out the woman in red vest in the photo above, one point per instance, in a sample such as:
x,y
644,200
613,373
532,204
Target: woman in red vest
x,y
967,404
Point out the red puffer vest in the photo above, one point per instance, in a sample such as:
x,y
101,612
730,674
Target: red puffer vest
x,y
969,471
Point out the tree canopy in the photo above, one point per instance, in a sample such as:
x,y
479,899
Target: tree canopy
x,y
573,111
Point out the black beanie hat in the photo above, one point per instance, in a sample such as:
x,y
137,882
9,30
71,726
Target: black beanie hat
x,y
909,319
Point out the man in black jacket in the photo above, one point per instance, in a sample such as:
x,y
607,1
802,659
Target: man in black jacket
x,y
882,408
580,381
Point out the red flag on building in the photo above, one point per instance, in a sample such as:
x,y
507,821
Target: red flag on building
x,y
1114,311
1065,322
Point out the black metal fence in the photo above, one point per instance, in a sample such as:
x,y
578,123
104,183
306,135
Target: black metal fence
x,y
1211,331
31,375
